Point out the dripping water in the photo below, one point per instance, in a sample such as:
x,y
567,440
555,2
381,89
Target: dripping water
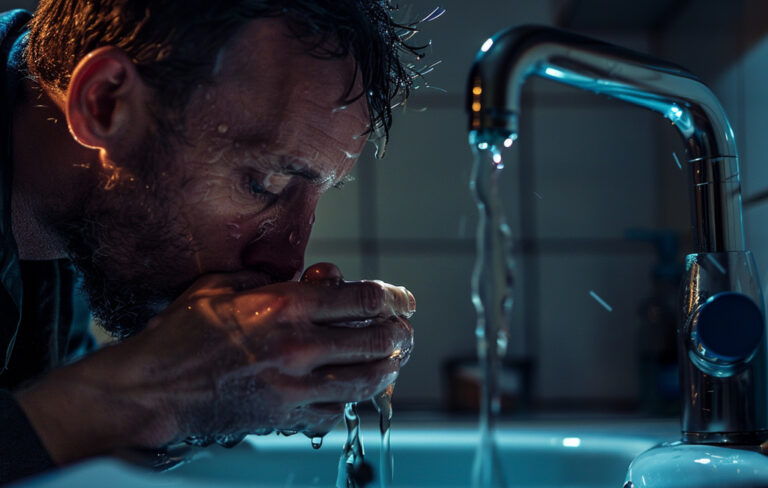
x,y
317,442
492,297
383,403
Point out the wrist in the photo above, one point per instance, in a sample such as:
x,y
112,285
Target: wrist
x,y
91,408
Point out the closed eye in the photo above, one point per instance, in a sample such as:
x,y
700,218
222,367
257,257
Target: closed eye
x,y
257,189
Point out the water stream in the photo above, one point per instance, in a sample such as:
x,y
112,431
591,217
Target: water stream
x,y
492,297
353,471
352,461
383,403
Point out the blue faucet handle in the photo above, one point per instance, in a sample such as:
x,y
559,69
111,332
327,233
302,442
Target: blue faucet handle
x,y
728,328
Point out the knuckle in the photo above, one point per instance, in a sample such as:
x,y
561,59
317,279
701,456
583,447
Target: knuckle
x,y
371,298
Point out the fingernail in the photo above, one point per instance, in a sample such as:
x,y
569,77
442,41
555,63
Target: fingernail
x,y
411,302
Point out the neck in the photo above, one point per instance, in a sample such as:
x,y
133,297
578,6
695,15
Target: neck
x,y
50,173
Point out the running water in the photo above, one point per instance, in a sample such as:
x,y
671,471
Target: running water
x,y
492,297
353,471
383,403
352,467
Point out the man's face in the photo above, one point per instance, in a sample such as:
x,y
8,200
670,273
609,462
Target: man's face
x,y
262,145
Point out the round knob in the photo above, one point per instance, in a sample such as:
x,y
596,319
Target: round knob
x,y
728,328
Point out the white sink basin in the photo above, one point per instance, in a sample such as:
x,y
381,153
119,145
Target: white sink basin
x,y
590,454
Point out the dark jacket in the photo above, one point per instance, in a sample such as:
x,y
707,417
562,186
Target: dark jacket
x,y
43,318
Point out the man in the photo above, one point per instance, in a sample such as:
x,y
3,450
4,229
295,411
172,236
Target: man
x,y
175,152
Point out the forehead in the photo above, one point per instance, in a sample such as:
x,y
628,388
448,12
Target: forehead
x,y
268,87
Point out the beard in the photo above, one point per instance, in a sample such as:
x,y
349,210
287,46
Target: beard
x,y
128,245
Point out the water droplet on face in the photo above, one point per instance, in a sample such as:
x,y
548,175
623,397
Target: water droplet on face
x,y
294,238
317,442
222,128
312,219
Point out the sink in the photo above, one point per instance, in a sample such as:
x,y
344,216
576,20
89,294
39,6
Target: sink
x,y
534,454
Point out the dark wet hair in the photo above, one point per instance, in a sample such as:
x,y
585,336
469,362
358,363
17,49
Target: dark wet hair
x,y
174,44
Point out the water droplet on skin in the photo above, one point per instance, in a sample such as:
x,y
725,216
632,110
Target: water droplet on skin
x,y
229,440
339,109
294,238
317,442
222,128
312,219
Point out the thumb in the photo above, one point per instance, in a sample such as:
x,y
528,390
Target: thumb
x,y
326,274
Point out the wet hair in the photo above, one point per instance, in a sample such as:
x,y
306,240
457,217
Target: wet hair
x,y
175,44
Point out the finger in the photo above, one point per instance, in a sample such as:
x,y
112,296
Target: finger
x,y
343,383
323,346
391,338
327,274
360,300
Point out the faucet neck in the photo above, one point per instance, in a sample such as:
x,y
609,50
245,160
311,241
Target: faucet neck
x,y
510,57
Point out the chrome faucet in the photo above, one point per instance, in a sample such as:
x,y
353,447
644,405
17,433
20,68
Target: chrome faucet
x,y
722,334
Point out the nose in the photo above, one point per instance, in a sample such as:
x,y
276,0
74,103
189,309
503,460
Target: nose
x,y
280,251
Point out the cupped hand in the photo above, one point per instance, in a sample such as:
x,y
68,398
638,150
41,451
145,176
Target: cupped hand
x,y
227,358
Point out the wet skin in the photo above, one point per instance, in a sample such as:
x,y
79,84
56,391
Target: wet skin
x,y
245,348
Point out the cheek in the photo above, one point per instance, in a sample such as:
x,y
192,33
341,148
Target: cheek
x,y
216,192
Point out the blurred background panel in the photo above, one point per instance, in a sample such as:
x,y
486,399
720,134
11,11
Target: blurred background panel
x,y
593,193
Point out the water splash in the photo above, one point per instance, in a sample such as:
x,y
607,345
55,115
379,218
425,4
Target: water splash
x,y
677,161
600,300
436,13
492,297
383,403
712,259
353,472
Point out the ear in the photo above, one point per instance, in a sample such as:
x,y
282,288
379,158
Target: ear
x,y
106,100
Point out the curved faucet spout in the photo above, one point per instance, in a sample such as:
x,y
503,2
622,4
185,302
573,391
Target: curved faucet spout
x,y
506,61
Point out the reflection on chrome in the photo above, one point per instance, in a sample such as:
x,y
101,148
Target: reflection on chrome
x,y
722,348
